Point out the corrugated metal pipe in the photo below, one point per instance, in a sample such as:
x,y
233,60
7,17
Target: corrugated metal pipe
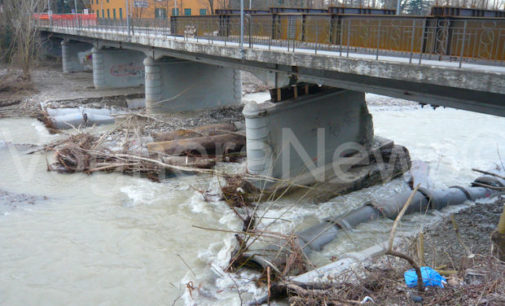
x,y
316,237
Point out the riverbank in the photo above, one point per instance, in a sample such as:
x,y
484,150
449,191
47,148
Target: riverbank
x,y
50,91
458,246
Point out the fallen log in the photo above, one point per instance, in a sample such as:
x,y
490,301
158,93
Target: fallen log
x,y
192,162
200,146
205,130
175,135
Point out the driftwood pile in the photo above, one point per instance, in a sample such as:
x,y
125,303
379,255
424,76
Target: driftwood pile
x,y
82,153
200,145
179,151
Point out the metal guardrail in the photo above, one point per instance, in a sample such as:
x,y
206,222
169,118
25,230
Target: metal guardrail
x,y
465,12
455,39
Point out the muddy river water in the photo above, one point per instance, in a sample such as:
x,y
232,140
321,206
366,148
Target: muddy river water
x,y
111,239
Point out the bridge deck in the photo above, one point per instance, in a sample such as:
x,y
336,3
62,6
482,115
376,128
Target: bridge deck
x,y
454,83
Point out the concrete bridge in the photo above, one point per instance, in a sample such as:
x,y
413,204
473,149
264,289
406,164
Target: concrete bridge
x,y
192,72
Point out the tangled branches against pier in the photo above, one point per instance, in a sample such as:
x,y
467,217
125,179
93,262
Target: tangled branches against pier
x,y
80,153
84,153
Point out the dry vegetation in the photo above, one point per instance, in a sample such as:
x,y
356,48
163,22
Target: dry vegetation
x,y
19,33
13,88
86,153
129,152
18,45
480,282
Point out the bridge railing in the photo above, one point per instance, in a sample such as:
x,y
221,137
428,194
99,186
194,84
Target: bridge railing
x,y
480,40
413,38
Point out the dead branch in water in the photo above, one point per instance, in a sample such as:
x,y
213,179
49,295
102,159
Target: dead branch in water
x,y
488,173
390,251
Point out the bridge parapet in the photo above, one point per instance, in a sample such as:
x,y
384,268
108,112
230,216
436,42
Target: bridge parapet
x,y
418,38
415,37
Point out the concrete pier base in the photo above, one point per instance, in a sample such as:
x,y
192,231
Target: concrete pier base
x,y
174,85
313,140
117,68
70,56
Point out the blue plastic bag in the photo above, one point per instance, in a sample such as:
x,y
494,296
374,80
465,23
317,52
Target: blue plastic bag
x,y
430,278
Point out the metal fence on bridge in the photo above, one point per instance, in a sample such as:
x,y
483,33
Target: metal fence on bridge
x,y
416,38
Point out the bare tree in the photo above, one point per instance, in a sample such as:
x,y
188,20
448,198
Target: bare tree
x,y
4,33
21,26
220,4
211,6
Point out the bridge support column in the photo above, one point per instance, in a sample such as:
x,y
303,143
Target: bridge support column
x,y
174,85
70,56
152,83
303,140
117,68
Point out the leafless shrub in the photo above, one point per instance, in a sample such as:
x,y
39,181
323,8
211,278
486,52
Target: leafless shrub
x,y
18,28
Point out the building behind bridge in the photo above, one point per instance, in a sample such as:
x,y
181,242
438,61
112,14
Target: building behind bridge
x,y
153,9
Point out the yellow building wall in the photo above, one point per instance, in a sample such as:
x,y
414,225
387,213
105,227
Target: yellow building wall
x,y
117,8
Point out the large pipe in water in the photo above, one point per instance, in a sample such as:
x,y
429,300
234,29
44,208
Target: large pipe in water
x,y
316,237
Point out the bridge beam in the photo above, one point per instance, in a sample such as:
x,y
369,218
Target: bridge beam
x,y
71,60
299,140
173,85
117,68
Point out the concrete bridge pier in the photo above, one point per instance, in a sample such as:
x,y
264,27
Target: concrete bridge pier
x,y
117,68
70,51
173,85
300,137
317,139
